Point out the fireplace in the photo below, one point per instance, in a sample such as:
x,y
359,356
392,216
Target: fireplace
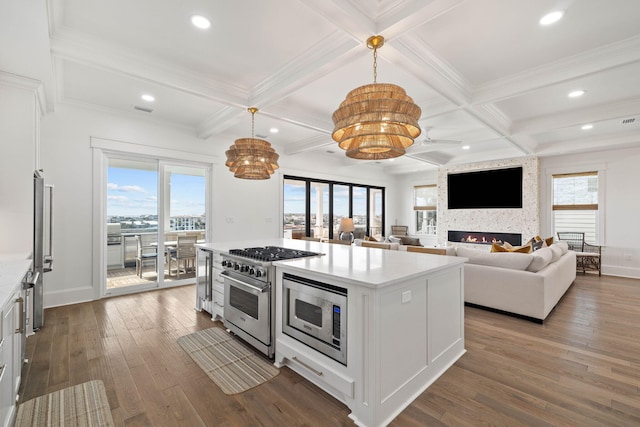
x,y
484,238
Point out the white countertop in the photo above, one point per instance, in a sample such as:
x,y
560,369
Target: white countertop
x,y
371,267
13,267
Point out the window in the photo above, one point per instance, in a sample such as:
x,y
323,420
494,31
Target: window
x,y
425,204
314,208
575,204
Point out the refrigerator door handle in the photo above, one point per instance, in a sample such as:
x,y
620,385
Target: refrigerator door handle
x,y
48,258
30,279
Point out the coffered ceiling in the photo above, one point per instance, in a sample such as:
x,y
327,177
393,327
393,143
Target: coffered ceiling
x,y
484,72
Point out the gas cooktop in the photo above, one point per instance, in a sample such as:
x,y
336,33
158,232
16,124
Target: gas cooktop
x,y
271,253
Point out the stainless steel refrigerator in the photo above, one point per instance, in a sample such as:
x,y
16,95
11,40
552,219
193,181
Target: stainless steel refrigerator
x,y
42,242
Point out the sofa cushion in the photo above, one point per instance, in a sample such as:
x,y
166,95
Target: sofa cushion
x,y
541,258
507,247
562,245
556,250
511,260
406,240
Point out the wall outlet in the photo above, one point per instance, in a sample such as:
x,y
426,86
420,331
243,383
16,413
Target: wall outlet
x,y
229,220
406,297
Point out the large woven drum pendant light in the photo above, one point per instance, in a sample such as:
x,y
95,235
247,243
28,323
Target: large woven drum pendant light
x,y
376,121
252,158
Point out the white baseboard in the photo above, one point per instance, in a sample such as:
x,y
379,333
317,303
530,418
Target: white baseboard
x,y
68,296
616,270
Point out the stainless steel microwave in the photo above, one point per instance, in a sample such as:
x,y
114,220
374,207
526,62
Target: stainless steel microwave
x,y
315,314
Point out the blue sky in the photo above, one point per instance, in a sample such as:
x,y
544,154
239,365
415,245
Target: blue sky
x,y
134,192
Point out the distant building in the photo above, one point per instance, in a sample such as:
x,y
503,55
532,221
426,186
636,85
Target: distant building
x,y
187,223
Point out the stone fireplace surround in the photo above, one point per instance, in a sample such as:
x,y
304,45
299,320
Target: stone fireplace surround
x,y
524,221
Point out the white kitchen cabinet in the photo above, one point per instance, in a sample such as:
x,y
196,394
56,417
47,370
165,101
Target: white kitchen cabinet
x,y
10,355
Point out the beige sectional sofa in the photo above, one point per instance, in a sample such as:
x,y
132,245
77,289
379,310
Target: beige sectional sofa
x,y
527,285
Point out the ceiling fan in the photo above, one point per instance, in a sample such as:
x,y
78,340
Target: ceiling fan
x,y
430,141
428,144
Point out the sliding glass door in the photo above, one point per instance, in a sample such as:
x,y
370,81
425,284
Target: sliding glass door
x,y
315,208
155,213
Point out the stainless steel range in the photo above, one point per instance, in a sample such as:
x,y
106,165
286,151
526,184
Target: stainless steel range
x,y
249,302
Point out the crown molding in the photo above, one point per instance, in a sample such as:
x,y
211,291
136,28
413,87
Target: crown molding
x,y
28,84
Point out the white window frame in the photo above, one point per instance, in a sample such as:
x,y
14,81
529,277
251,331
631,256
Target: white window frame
x,y
105,148
577,169
417,207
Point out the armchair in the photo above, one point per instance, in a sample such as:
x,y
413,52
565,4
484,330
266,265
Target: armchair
x,y
588,256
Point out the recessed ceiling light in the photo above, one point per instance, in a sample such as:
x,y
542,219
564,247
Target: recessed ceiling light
x,y
576,93
148,98
200,22
587,127
552,18
273,130
466,147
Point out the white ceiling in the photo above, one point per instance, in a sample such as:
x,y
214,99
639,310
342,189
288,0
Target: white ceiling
x,y
483,72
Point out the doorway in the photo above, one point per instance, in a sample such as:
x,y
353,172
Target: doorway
x,y
156,210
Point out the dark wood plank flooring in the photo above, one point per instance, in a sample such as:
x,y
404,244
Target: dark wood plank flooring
x,y
581,368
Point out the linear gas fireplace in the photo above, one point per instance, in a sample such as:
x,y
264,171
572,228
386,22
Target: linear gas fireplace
x,y
484,238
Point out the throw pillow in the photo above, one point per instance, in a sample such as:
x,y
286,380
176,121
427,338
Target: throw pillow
x,y
525,249
395,240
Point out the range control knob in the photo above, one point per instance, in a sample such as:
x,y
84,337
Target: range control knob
x,y
236,266
259,272
224,263
252,271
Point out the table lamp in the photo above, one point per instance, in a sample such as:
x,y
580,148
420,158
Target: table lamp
x,y
346,229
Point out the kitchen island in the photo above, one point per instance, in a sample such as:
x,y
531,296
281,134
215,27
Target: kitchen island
x,y
404,316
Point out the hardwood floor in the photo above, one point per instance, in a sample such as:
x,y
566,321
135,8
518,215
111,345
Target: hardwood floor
x,y
581,368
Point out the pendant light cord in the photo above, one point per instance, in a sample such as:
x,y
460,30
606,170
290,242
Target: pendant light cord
x,y
375,65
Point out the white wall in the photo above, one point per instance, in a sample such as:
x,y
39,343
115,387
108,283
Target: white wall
x,y
241,209
619,178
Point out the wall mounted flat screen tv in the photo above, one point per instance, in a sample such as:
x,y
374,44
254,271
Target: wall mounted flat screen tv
x,y
487,189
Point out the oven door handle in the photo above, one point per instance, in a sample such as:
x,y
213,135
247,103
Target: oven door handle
x,y
245,285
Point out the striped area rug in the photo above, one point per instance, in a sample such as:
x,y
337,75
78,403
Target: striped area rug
x,y
230,364
85,404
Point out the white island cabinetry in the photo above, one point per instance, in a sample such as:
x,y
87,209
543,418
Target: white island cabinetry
x,y
405,327
12,305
